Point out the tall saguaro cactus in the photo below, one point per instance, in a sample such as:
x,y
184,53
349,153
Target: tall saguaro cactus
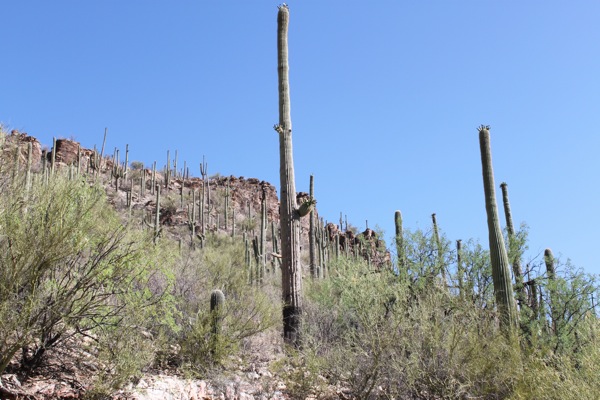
x,y
500,266
512,245
291,274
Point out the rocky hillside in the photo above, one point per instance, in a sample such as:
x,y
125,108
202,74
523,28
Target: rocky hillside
x,y
132,188
189,209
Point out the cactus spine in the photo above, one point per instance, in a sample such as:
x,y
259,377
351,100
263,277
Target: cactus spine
x,y
500,268
291,276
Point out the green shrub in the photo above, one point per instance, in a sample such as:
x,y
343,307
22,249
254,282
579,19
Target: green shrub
x,y
248,310
70,268
368,332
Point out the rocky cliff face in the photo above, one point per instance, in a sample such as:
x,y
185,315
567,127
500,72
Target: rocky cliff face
x,y
17,144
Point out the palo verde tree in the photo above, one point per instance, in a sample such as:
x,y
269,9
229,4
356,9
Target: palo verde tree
x,y
291,273
86,273
500,267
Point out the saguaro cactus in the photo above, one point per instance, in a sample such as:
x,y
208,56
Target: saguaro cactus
x,y
402,272
28,171
460,272
263,232
440,267
157,215
312,247
551,271
512,245
500,267
217,301
291,273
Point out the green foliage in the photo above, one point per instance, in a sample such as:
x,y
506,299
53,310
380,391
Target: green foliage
x,y
478,285
561,377
422,259
568,302
137,165
381,338
70,268
248,310
249,224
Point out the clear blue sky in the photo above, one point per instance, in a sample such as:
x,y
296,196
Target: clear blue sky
x,y
386,98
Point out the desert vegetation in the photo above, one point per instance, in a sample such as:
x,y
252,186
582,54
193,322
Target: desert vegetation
x,y
121,270
84,272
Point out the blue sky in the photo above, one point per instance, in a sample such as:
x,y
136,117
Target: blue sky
x,y
386,98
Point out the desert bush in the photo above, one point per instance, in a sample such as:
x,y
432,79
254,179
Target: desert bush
x,y
70,268
248,309
349,325
137,165
561,377
379,338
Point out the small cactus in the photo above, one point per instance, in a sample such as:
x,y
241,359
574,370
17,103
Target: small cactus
x,y
217,302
